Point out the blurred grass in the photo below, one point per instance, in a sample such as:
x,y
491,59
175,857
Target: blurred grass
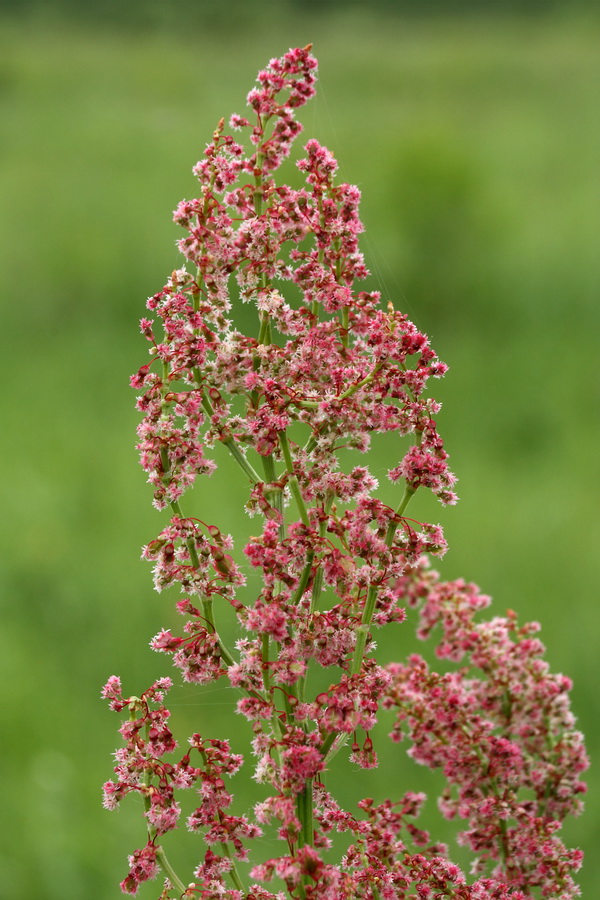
x,y
474,141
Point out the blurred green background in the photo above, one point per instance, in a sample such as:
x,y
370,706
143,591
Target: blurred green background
x,y
472,129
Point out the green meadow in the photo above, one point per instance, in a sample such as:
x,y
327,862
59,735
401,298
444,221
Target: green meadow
x,y
474,136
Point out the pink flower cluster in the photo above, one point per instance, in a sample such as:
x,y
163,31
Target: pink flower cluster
x,y
292,406
501,730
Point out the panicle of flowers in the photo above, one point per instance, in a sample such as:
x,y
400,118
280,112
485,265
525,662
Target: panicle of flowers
x,y
327,367
501,730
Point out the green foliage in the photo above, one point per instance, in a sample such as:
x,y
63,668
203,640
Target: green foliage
x,y
475,147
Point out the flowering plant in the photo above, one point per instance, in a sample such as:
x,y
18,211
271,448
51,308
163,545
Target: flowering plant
x,y
329,367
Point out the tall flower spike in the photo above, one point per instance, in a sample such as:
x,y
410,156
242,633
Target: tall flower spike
x,y
294,404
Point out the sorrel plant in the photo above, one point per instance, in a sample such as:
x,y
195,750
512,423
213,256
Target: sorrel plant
x,y
326,367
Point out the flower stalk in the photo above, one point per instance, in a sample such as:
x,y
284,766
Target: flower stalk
x,y
327,367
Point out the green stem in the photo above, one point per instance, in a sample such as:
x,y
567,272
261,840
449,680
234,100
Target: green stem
x,y
327,745
366,380
276,495
265,663
305,809
264,335
258,180
313,404
310,444
304,801
363,630
230,441
495,791
304,578
369,608
233,872
266,674
269,468
345,320
409,492
160,853
207,611
169,871
292,480
207,606
327,748
318,582
241,460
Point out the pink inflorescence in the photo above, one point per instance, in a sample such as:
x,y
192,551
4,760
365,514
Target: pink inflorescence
x,y
295,406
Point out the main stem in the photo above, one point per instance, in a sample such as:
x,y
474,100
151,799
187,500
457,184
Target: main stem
x,y
369,608
335,741
304,800
161,856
